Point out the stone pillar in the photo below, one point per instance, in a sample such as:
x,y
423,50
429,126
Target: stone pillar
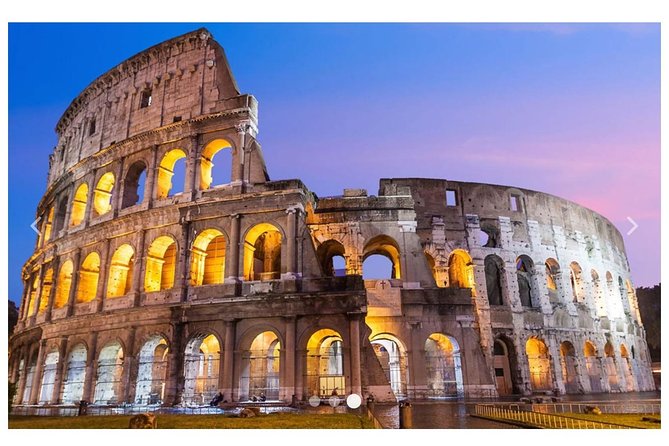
x,y
233,251
175,370
239,154
74,284
25,355
193,173
91,367
151,175
354,333
60,370
37,378
289,370
291,252
55,264
228,360
117,191
89,202
182,272
140,268
103,277
126,391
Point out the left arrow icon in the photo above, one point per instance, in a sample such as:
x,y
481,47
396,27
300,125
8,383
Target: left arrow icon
x,y
34,225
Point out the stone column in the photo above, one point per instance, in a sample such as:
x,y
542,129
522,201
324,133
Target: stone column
x,y
25,355
233,251
126,391
38,292
228,359
140,268
291,253
55,264
175,376
89,201
117,191
300,356
354,333
193,173
289,370
151,174
101,294
239,154
37,378
91,367
74,284
60,370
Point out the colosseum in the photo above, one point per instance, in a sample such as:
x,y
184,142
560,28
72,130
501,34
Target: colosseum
x,y
152,288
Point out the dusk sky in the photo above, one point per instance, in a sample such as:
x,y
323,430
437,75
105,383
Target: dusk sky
x,y
572,110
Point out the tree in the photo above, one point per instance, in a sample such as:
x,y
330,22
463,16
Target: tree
x,y
649,307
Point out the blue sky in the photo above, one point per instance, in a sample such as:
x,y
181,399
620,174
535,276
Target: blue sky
x,y
572,110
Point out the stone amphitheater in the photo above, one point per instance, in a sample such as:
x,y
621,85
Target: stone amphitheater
x,y
169,267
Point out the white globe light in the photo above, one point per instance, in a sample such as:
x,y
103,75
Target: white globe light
x,y
353,401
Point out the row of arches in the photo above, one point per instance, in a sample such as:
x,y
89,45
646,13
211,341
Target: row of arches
x,y
575,368
262,261
171,179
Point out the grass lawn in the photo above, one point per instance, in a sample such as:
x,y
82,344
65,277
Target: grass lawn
x,y
271,421
627,419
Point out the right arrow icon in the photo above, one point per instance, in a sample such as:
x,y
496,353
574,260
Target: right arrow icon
x,y
634,226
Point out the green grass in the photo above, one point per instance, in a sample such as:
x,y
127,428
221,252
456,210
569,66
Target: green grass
x,y
271,421
627,419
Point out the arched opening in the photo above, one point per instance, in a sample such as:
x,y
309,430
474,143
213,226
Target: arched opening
x,y
262,253
208,253
102,195
261,369
568,363
161,263
48,376
32,294
529,297
171,174
494,279
553,281
488,236
505,366
133,185
374,266
75,375
592,366
61,215
539,365
393,358
152,371
201,369
30,375
432,265
45,291
88,278
632,300
79,205
622,291
214,155
331,256
47,225
611,369
443,370
109,373
627,368
576,280
120,271
460,270
325,364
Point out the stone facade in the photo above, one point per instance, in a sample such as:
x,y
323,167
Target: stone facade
x,y
138,294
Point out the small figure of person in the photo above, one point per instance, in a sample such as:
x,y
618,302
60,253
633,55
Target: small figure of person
x,y
216,399
262,396
334,392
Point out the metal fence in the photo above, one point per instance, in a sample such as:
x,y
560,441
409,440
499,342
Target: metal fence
x,y
541,419
66,411
649,407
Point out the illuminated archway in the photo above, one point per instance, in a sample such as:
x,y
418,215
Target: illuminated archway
x,y
627,368
152,371
208,258
261,369
63,284
102,195
325,364
32,294
48,376
88,278
443,371
75,375
109,373
505,365
327,252
79,205
166,169
568,364
611,369
262,253
213,154
592,366
392,355
120,271
460,270
30,375
553,281
576,280
47,226
45,290
385,246
201,369
539,364
161,262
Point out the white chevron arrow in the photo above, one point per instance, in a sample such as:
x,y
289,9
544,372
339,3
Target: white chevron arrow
x,y
34,225
634,226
